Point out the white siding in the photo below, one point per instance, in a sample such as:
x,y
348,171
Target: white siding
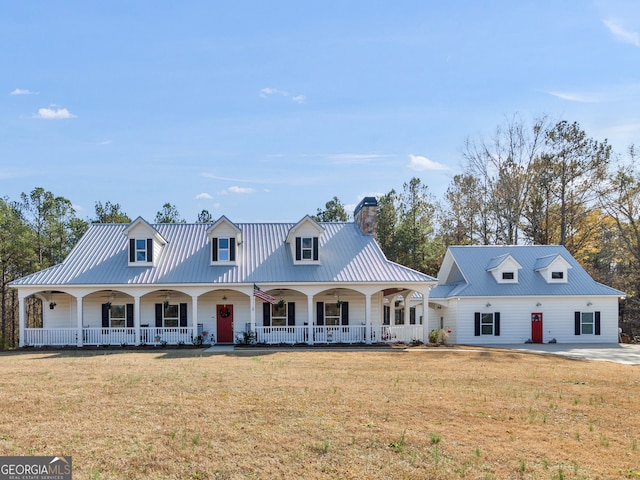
x,y
557,314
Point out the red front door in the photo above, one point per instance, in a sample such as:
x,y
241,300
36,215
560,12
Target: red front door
x,y
536,327
224,316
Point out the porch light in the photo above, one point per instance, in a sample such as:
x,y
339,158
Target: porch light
x,y
538,304
488,305
589,304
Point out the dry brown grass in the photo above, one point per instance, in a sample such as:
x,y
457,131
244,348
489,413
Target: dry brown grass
x,y
422,413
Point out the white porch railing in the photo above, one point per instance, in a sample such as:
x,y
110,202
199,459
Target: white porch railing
x,y
397,333
277,335
166,335
109,336
59,337
184,335
339,334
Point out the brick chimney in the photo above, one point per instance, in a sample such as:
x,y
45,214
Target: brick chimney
x,y
366,216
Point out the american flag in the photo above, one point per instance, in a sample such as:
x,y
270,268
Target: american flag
x,y
263,295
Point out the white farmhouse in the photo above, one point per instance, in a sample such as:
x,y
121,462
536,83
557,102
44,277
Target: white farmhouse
x,y
518,294
226,282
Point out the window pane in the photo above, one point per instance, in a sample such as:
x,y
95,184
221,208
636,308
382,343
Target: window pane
x,y
118,311
223,242
306,242
223,255
171,311
141,245
487,324
587,323
278,322
141,256
557,275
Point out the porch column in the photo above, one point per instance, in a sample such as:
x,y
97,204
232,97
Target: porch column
x,y
408,329
22,320
80,316
310,317
252,315
367,318
194,316
425,314
136,320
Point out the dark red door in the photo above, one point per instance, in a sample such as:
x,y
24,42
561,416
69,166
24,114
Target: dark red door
x,y
536,327
224,315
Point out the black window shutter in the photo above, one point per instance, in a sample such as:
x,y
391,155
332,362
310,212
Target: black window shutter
x,y
345,313
129,315
496,324
412,315
291,314
576,321
214,249
477,324
183,314
320,313
232,249
105,315
315,248
298,248
266,314
149,250
158,315
387,315
597,326
132,250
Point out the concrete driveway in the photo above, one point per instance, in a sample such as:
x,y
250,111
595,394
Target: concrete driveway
x,y
629,354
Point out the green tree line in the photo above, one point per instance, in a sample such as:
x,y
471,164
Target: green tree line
x,y
535,182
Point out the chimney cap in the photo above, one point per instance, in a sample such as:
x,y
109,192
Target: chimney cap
x,y
366,202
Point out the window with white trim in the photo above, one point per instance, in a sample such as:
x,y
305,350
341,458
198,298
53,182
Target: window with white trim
x,y
170,315
223,250
117,316
279,314
141,250
332,313
557,275
508,276
587,322
307,248
486,324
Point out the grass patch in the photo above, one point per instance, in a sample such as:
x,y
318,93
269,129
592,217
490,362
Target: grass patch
x,y
179,414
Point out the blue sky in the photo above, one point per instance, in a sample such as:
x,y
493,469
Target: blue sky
x,y
263,111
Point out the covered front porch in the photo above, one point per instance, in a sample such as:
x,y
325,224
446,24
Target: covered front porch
x,y
199,316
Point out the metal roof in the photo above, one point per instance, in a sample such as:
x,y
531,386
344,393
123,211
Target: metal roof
x,y
346,255
474,262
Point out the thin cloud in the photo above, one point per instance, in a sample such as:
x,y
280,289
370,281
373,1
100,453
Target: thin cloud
x,y
236,190
203,196
240,190
23,91
575,97
421,163
355,158
622,34
295,98
54,114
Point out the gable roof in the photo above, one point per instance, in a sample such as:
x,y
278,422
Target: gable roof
x,y
100,258
475,262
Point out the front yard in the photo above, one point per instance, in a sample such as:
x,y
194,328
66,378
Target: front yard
x,y
421,413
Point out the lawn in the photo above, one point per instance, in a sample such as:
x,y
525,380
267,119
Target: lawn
x,y
415,414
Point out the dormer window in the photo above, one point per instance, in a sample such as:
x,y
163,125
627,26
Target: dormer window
x,y
553,268
504,269
145,243
306,248
226,239
223,249
140,250
304,241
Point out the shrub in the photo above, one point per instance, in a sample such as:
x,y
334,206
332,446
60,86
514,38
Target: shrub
x,y
438,337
